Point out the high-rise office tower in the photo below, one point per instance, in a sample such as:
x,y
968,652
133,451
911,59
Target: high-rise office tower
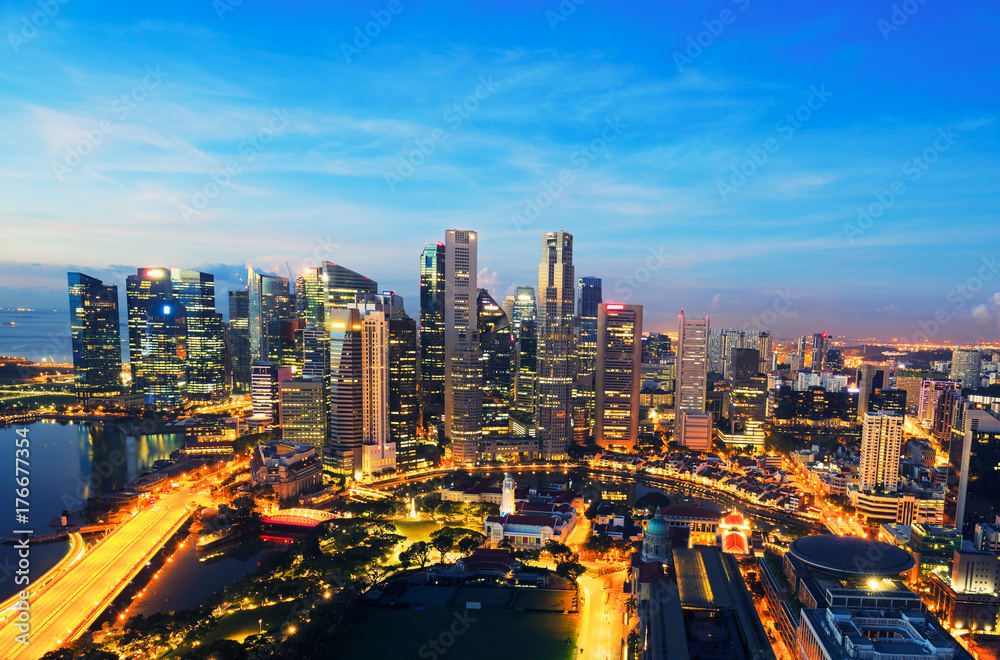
x,y
869,378
881,442
655,348
527,369
140,290
164,352
747,403
269,303
618,375
721,344
97,349
343,285
311,296
966,366
834,360
239,340
265,383
931,390
315,351
524,308
588,303
432,333
387,302
466,368
800,354
196,292
343,454
556,292
745,363
302,410
496,342
460,329
375,392
888,399
973,457
763,343
691,429
820,344
404,404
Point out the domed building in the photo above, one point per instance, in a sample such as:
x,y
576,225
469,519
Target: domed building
x,y
656,540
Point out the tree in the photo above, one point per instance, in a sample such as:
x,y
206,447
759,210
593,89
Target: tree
x,y
470,542
442,542
559,551
220,649
570,569
650,501
599,544
419,552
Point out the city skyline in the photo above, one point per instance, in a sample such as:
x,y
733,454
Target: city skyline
x,y
108,153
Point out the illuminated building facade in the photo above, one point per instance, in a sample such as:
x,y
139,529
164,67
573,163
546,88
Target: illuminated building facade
x,y
164,353
588,304
692,425
141,289
205,342
556,292
343,455
461,338
881,442
239,341
97,351
302,412
269,303
432,333
496,342
618,376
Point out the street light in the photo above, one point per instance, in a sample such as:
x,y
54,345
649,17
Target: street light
x,y
260,626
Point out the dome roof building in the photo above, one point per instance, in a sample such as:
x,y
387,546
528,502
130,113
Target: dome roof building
x,y
656,540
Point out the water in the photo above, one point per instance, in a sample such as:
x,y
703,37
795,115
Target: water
x,y
185,581
69,463
41,336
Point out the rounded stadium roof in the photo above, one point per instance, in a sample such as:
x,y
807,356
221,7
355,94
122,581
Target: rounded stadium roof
x,y
851,556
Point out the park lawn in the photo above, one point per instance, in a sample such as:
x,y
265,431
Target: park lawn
x,y
491,633
241,624
421,530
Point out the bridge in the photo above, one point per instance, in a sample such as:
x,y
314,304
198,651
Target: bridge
x,y
298,517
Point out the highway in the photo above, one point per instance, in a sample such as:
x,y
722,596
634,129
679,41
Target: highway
x,y
69,604
77,547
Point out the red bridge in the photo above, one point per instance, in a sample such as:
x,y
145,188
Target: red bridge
x,y
298,517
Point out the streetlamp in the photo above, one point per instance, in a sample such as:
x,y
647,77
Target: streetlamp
x,y
260,626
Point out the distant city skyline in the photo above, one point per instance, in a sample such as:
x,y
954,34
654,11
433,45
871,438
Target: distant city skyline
x,y
807,152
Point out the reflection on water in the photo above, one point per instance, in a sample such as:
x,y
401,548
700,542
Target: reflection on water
x,y
69,463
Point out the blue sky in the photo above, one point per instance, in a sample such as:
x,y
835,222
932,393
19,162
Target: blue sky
x,y
627,123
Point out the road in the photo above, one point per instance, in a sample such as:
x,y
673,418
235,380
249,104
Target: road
x,y
66,607
77,547
603,617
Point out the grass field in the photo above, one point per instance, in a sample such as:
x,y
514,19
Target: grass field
x,y
485,635
420,530
544,599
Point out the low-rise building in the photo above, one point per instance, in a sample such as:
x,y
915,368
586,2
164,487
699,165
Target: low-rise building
x,y
839,633
290,469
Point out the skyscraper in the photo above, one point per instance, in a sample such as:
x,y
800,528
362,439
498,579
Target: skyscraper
x,y
343,455
164,352
265,392
555,323
745,363
432,287
820,343
375,393
496,342
869,378
690,427
404,405
466,367
527,368
140,290
524,308
586,323
239,340
303,417
204,363
269,303
966,366
931,390
97,350
460,329
881,441
618,376
343,285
